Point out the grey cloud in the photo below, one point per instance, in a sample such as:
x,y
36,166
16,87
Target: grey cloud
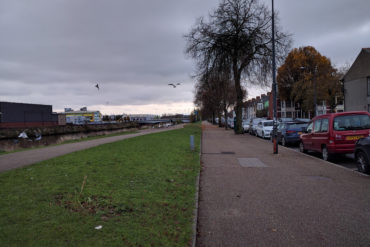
x,y
53,52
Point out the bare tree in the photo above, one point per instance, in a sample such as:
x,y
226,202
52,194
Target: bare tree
x,y
238,31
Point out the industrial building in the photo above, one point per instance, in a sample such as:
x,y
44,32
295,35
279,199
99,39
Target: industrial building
x,y
83,116
19,115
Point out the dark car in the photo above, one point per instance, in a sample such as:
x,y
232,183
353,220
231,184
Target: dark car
x,y
362,155
289,132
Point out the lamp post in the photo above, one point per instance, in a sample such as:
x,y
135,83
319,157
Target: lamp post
x,y
274,89
315,91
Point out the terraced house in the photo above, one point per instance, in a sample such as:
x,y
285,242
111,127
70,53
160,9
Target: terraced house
x,y
357,83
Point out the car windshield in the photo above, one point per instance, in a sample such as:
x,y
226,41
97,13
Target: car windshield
x,y
296,126
268,123
352,122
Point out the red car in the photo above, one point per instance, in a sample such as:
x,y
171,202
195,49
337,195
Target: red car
x,y
335,133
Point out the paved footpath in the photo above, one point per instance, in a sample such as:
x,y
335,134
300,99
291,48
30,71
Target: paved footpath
x,y
24,158
254,198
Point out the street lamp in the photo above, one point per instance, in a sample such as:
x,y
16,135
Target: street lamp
x,y
274,89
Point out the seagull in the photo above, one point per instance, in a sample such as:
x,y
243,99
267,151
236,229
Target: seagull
x,y
171,84
97,86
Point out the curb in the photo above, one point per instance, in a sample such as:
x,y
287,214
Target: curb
x,y
325,161
195,211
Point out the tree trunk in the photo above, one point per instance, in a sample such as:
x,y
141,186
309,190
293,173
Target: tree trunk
x,y
239,103
219,119
225,113
213,118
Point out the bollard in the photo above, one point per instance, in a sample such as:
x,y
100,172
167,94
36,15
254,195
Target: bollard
x,y
191,142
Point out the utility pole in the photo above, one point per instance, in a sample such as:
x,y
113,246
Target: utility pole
x,y
314,91
274,89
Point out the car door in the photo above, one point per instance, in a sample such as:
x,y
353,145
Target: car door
x,y
259,129
322,137
316,138
307,137
280,133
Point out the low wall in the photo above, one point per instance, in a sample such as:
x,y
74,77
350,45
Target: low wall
x,y
65,129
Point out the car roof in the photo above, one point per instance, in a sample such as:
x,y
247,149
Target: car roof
x,y
341,114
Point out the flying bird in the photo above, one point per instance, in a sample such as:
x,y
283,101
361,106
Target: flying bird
x,y
171,84
97,86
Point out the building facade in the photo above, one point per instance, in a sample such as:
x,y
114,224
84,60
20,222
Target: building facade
x,y
357,83
83,116
20,115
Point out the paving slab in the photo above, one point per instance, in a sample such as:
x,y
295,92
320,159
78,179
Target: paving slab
x,y
252,197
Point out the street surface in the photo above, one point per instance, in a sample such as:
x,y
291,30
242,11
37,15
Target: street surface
x,y
24,158
251,197
348,160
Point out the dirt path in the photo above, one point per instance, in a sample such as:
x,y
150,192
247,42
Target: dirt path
x,y
24,158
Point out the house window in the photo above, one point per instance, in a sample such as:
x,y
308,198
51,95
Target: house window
x,y
368,86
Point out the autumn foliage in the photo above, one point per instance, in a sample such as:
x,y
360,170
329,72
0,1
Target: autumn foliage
x,y
296,77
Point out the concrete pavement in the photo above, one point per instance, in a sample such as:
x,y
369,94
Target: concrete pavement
x,y
24,158
251,197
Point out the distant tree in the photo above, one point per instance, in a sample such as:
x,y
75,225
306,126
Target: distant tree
x,y
296,76
118,118
239,32
106,118
261,113
208,97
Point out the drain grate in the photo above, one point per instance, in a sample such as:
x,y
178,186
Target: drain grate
x,y
251,162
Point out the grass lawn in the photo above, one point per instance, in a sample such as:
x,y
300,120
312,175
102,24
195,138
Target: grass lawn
x,y
82,139
140,190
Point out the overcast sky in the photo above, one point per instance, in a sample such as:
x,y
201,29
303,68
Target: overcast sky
x,y
55,51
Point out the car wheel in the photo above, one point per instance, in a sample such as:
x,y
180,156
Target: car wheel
x,y
283,142
325,154
363,162
301,148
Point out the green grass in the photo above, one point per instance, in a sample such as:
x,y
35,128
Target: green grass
x,y
82,139
99,137
141,190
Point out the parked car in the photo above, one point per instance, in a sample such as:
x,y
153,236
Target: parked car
x,y
264,128
335,133
285,119
305,120
230,122
253,125
362,155
289,132
246,125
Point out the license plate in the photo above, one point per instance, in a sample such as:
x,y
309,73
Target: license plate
x,y
353,138
299,133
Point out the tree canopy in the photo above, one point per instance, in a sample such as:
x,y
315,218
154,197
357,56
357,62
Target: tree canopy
x,y
238,36
296,77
